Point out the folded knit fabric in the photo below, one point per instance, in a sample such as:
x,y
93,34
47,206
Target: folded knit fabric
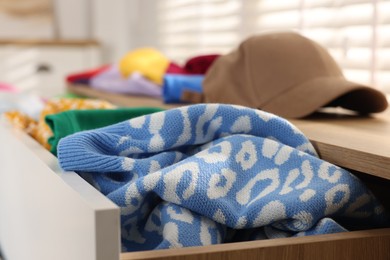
x,y
212,173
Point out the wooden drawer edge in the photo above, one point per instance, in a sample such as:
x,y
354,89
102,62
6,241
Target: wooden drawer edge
x,y
49,42
367,244
118,99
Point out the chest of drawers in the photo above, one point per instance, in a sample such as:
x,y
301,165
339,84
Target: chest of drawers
x,y
41,66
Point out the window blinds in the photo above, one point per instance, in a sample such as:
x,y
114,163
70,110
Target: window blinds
x,y
356,32
382,46
191,27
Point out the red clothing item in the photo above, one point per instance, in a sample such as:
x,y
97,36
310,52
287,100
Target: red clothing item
x,y
200,64
196,65
173,68
85,76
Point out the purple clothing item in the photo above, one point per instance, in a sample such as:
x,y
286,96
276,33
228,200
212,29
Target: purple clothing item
x,y
111,80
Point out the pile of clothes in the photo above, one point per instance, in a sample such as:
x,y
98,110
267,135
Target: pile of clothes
x,y
146,71
212,173
60,117
283,73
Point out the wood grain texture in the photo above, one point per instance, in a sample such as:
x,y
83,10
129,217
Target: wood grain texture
x,y
118,99
358,245
54,42
360,143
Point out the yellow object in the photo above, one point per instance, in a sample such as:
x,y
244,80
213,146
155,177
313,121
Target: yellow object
x,y
21,121
148,61
40,131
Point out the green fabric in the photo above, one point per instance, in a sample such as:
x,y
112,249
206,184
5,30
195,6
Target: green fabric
x,y
73,121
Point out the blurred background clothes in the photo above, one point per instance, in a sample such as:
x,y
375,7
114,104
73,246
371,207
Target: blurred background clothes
x,y
38,128
26,103
151,63
154,65
146,71
175,85
5,87
200,64
84,77
111,80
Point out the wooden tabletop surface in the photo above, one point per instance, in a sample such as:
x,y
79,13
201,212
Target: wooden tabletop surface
x,y
360,143
355,142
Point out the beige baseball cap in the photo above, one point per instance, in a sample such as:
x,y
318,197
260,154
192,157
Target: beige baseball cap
x,y
286,74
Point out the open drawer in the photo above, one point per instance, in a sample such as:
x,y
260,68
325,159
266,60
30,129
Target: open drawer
x,y
48,214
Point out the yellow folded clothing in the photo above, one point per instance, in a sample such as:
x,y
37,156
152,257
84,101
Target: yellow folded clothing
x,y
148,61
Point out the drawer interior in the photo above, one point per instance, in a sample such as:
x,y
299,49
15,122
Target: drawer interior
x,y
379,186
360,244
364,244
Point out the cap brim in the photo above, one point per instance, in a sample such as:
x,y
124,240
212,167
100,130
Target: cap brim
x,y
305,99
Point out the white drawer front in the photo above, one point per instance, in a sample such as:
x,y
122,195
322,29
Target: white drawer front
x,y
48,214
